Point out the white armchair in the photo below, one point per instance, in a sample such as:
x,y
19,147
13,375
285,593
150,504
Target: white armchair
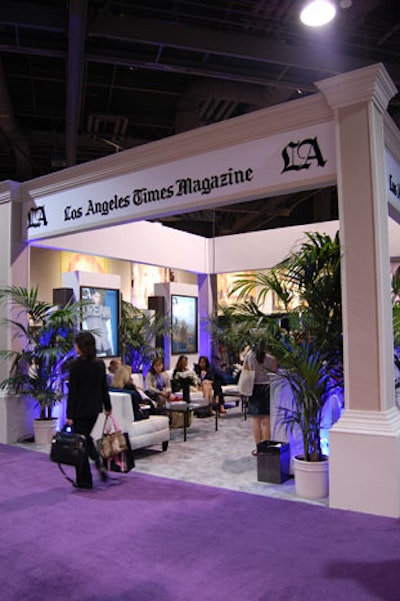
x,y
143,433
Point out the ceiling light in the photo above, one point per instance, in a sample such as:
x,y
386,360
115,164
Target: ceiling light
x,y
318,12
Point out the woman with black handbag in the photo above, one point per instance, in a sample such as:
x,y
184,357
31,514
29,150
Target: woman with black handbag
x,y
87,397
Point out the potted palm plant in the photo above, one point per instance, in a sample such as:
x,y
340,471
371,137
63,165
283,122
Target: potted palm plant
x,y
140,332
44,341
309,349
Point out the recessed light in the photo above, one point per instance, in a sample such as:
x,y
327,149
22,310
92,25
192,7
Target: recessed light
x,y
318,12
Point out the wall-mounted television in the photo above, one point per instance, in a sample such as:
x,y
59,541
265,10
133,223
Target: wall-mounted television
x,y
184,324
101,316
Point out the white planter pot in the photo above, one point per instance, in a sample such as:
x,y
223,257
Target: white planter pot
x,y
16,417
44,430
311,478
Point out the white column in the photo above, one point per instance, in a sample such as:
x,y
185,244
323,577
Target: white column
x,y
15,418
14,256
365,442
206,284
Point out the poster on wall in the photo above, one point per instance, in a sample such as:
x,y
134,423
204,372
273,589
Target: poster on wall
x,y
100,315
184,324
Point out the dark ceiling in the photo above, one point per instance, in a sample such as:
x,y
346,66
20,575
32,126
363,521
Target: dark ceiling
x,y
82,79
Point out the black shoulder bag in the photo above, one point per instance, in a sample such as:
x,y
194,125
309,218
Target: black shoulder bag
x,y
68,448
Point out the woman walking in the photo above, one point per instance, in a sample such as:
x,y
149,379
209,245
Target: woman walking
x,y
87,397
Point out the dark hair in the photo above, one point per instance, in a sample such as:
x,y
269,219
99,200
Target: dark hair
x,y
260,354
86,343
206,361
179,366
155,360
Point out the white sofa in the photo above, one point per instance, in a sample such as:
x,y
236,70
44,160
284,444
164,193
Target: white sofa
x,y
143,433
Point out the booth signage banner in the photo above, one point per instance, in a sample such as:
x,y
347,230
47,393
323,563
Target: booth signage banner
x,y
238,173
392,180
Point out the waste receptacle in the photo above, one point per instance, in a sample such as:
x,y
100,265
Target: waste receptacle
x,y
273,461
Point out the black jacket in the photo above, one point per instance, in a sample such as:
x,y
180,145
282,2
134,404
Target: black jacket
x,y
87,391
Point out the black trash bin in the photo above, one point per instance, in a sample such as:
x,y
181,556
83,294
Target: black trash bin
x,y
273,461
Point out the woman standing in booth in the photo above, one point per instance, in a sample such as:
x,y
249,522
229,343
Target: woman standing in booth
x,y
259,402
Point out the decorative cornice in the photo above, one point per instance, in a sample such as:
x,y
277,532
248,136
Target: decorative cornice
x,y
369,84
379,423
9,190
289,116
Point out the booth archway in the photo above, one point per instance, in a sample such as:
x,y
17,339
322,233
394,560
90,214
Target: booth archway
x,y
341,135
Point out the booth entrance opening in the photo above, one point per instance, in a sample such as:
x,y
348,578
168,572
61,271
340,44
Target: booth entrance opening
x,y
342,136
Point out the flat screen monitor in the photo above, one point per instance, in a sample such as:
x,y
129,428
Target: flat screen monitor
x,y
184,324
101,316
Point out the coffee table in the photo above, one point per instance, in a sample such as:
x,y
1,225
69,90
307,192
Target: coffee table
x,y
185,408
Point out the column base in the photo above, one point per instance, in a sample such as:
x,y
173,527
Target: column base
x,y
364,462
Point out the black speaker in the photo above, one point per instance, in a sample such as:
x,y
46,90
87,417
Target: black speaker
x,y
157,304
61,296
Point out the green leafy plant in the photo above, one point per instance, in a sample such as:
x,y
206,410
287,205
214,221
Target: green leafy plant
x,y
44,338
396,306
229,332
309,348
139,333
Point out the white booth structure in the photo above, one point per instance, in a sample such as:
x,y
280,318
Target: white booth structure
x,y
342,135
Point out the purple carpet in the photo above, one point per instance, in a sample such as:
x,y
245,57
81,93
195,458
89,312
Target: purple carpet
x,y
143,538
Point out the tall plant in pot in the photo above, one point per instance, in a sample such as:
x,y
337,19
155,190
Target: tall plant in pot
x,y
44,341
309,349
140,332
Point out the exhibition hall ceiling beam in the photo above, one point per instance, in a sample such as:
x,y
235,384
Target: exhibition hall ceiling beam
x,y
226,44
33,16
187,38
76,51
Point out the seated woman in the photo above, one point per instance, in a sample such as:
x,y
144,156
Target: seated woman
x,y
122,382
157,383
112,368
184,378
209,383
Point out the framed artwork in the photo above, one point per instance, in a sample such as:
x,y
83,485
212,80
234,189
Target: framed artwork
x,y
184,324
101,316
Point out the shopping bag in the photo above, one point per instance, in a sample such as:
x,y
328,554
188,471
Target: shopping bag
x,y
111,443
124,461
246,379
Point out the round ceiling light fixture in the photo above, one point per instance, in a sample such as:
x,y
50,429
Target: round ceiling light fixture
x,y
318,12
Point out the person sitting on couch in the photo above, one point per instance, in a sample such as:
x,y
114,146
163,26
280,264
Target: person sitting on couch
x,y
122,382
112,369
157,383
184,378
209,383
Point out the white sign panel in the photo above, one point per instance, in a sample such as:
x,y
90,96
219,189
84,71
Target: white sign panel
x,y
392,180
241,172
